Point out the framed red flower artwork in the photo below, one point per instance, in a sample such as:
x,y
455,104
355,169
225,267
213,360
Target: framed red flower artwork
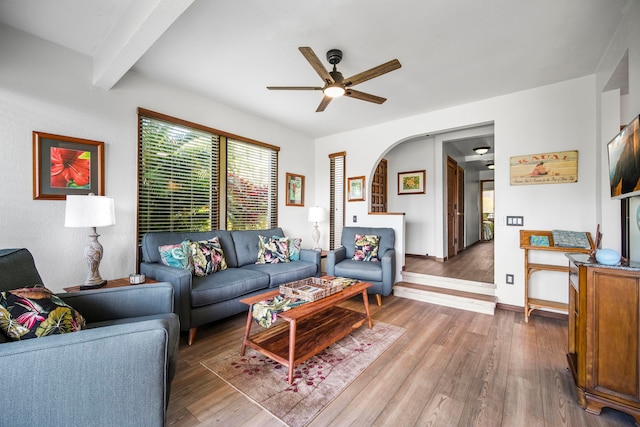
x,y
64,165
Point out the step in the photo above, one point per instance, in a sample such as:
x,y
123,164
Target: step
x,y
450,283
463,300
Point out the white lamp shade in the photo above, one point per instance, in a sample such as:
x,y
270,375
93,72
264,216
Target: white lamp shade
x,y
317,214
89,211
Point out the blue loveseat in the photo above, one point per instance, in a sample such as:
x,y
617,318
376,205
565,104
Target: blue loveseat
x,y
201,300
116,372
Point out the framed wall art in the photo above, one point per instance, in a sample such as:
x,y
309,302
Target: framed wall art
x,y
356,189
411,182
295,190
547,168
65,165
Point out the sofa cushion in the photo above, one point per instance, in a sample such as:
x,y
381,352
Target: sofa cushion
x,y
246,244
17,269
366,271
272,250
176,255
295,244
283,273
36,312
207,257
225,285
366,247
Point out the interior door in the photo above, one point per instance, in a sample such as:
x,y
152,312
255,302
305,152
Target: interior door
x,y
452,211
379,188
460,212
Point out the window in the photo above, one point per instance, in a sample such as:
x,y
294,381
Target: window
x,y
336,193
180,186
252,175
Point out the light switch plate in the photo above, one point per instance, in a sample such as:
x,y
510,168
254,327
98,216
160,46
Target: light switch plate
x,y
517,221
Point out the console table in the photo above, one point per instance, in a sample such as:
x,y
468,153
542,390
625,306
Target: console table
x,y
604,345
531,304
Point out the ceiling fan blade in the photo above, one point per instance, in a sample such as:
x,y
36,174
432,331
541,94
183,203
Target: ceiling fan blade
x,y
294,88
323,104
364,96
308,53
394,64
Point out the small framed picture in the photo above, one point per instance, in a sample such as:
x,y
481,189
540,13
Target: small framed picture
x,y
356,189
295,190
411,182
65,165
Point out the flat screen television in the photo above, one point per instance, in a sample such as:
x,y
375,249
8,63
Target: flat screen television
x,y
624,161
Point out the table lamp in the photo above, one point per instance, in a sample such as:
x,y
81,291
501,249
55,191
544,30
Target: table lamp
x,y
317,214
90,211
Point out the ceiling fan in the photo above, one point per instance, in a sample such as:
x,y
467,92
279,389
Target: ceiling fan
x,y
334,84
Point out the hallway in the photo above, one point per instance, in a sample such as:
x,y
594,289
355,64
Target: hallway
x,y
474,263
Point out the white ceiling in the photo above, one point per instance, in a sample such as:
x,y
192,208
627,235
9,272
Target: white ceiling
x,y
452,51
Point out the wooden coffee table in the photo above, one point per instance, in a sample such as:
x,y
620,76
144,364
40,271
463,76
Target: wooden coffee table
x,y
308,329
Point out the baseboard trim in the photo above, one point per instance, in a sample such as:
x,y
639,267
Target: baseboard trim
x,y
420,256
433,257
539,313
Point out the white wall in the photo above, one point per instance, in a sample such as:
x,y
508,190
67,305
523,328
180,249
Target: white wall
x,y
419,220
614,110
551,118
47,88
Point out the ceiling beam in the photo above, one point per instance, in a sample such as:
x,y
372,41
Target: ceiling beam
x,y
141,26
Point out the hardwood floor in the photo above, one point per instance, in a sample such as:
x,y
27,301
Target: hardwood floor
x,y
450,368
474,263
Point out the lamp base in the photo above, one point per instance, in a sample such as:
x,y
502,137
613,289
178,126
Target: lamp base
x,y
315,235
96,286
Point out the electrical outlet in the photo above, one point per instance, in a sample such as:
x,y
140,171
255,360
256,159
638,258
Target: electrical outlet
x,y
509,279
355,218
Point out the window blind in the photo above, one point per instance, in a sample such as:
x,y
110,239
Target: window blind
x,y
252,186
336,193
178,176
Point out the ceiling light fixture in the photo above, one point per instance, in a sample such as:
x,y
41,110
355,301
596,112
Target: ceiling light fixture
x,y
481,150
333,90
490,165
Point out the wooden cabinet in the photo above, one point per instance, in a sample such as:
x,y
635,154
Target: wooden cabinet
x,y
604,347
531,304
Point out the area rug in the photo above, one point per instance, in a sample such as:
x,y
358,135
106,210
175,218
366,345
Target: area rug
x,y
316,382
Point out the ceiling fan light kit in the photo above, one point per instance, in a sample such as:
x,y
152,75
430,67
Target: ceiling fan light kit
x,y
334,84
333,91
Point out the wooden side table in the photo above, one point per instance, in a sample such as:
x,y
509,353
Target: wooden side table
x,y
115,283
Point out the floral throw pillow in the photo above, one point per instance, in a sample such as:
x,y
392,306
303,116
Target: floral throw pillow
x,y
176,255
207,257
366,247
273,250
295,244
36,312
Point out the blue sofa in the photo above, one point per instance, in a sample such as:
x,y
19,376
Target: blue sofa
x,y
380,274
201,300
118,371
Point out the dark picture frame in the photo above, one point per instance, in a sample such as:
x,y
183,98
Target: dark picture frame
x,y
64,165
411,182
295,190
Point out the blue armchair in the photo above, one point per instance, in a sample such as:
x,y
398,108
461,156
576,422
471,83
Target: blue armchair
x,y
380,274
118,371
